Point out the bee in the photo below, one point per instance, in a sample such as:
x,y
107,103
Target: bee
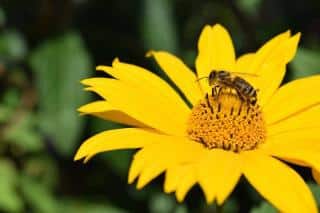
x,y
224,79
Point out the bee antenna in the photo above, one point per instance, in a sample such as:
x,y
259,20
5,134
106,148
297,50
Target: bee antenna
x,y
243,73
201,78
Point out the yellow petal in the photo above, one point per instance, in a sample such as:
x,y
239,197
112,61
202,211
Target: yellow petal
x,y
142,78
218,173
278,183
127,138
149,174
264,54
140,105
136,167
291,142
243,64
268,82
216,52
180,74
293,98
295,150
174,175
264,79
302,139
316,175
269,64
308,158
104,110
243,69
303,123
286,51
154,159
185,184
272,69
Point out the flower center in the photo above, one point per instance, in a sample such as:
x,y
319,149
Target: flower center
x,y
227,122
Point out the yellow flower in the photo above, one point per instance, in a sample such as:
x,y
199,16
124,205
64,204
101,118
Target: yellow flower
x,y
220,138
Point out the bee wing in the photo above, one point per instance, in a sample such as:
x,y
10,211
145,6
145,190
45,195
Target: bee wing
x,y
245,74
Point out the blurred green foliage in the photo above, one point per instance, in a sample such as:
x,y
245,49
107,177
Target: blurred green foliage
x,y
12,45
306,63
264,207
47,47
59,65
9,199
158,19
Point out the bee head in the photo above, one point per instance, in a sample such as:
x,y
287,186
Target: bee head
x,y
212,77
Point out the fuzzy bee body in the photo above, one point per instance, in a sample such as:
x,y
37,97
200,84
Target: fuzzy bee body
x,y
224,79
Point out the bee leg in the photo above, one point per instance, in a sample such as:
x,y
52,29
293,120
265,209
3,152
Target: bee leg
x,y
242,97
253,101
208,103
215,92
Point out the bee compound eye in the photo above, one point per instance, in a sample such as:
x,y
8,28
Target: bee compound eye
x,y
212,74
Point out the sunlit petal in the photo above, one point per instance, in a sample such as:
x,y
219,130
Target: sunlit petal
x,y
278,183
303,122
180,74
185,184
300,151
243,63
268,64
127,138
142,78
316,175
173,176
293,98
140,105
154,159
104,110
268,50
218,174
272,68
216,52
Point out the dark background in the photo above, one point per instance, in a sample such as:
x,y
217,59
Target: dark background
x,y
47,46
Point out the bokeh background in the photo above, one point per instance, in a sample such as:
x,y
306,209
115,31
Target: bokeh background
x,y
47,46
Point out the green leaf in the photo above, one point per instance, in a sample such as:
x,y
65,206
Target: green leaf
x,y
315,188
249,6
5,113
181,209
11,97
10,201
44,169
230,206
158,26
10,100
264,207
305,63
12,46
76,206
59,65
24,134
39,198
161,203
